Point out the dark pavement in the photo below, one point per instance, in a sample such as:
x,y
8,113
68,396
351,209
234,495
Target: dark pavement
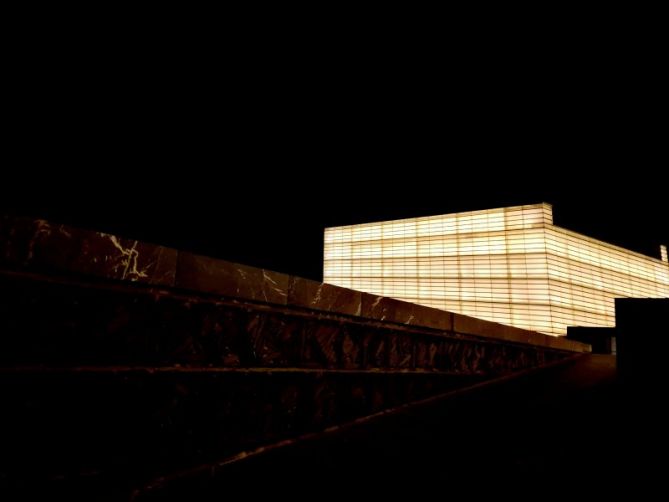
x,y
569,427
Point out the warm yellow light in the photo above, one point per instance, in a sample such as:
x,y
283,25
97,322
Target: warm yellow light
x,y
509,265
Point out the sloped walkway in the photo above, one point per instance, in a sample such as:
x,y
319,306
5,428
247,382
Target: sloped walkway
x,y
551,427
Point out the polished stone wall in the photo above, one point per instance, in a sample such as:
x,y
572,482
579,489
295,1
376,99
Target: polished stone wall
x,y
40,247
122,361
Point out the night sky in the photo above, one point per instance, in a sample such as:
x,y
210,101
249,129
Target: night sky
x,y
248,159
270,221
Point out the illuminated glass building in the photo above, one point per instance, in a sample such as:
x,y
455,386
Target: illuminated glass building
x,y
510,265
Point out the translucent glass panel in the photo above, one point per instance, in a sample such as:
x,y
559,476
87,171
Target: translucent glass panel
x,y
586,276
509,265
480,243
492,220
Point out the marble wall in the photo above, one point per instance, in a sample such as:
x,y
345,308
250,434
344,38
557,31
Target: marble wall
x,y
121,361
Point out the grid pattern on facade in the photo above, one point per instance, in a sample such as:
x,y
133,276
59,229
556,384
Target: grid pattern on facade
x,y
509,265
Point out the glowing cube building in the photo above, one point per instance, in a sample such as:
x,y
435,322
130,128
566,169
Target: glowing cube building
x,y
509,265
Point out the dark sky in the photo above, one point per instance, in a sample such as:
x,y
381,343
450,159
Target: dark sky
x,y
248,155
277,220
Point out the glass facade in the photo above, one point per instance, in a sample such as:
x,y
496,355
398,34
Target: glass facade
x,y
509,265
